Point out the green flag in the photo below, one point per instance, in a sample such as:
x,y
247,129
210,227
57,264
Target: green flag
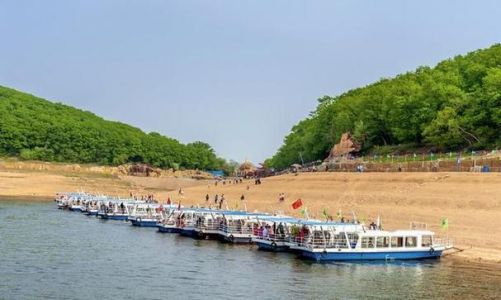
x,y
325,213
444,223
303,212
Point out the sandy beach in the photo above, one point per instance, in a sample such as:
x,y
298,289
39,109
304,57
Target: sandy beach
x,y
470,201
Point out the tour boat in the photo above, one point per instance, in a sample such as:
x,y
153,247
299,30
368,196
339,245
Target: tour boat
x,y
169,222
343,242
239,227
207,224
145,215
186,222
274,233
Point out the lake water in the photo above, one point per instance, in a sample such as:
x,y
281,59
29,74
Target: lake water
x,y
54,254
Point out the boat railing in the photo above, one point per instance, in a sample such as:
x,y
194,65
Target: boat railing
x,y
274,238
445,242
236,229
321,243
207,226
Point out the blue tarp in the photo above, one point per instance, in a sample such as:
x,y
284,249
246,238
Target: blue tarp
x,y
216,173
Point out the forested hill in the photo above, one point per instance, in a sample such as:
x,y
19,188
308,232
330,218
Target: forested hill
x,y
36,129
455,105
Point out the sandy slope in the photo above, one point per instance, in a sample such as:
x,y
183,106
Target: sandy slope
x,y
471,202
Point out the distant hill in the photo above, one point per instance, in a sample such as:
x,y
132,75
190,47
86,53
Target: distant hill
x,y
455,105
36,129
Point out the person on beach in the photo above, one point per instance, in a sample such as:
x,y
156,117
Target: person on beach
x,y
216,198
181,192
207,199
281,197
242,198
221,201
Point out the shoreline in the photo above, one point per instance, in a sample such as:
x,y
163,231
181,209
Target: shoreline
x,y
25,198
468,200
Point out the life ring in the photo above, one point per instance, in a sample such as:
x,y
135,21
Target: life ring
x,y
138,220
273,245
231,237
432,251
200,234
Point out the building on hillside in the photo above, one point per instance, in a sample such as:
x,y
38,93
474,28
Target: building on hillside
x,y
246,169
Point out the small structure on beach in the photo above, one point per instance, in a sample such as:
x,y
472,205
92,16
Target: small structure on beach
x,y
246,169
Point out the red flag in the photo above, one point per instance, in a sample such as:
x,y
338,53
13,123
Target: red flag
x,y
297,204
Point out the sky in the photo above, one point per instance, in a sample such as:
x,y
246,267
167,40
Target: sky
x,y
235,74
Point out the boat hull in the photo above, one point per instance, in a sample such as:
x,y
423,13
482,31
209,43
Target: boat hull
x,y
164,229
187,232
358,256
273,247
206,235
237,239
144,223
117,217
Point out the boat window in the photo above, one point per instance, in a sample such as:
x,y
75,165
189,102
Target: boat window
x,y
340,240
426,241
368,242
353,239
382,242
411,241
397,241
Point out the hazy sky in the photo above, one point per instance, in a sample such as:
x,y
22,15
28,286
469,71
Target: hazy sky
x,y
236,74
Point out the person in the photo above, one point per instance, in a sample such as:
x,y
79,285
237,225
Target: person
x,y
180,193
216,198
207,198
242,198
265,232
281,230
221,201
168,201
248,187
122,207
281,197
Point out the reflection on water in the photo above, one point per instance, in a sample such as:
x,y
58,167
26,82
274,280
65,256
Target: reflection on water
x,y
48,253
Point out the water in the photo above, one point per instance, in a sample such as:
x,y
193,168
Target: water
x,y
54,254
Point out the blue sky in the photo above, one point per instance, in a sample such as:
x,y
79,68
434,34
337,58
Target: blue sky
x,y
236,74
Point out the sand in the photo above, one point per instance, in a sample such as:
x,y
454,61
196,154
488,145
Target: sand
x,y
470,201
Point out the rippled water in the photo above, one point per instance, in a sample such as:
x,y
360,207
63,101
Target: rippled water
x,y
54,254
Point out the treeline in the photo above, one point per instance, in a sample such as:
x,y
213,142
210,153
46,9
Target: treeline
x,y
35,129
455,105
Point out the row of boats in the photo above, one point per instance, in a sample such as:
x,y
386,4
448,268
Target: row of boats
x,y
312,239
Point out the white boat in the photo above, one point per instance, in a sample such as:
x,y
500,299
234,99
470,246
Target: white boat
x,y
342,241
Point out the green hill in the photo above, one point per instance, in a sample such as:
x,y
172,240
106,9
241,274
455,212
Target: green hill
x,y
36,129
455,105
